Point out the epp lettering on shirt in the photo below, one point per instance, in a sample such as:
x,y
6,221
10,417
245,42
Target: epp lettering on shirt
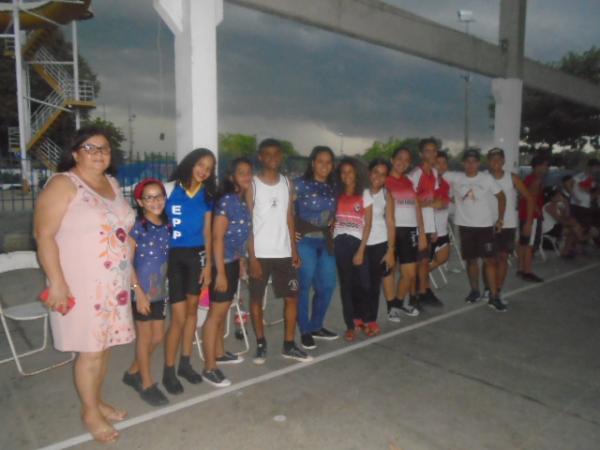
x,y
186,215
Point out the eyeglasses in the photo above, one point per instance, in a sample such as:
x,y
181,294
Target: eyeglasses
x,y
93,150
153,198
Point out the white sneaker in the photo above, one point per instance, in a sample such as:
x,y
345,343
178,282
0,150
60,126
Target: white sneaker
x,y
394,315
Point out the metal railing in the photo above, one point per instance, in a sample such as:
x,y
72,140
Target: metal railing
x,y
44,112
50,151
13,198
86,90
54,71
13,139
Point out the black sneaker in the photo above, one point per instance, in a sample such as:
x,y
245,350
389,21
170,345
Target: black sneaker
x,y
189,374
532,277
325,335
307,341
134,380
497,304
216,378
431,299
261,354
293,352
407,310
172,384
416,302
473,297
230,358
154,396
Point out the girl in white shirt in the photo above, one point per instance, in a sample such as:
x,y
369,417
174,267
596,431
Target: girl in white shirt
x,y
380,246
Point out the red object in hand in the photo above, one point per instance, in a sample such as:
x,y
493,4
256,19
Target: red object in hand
x,y
70,301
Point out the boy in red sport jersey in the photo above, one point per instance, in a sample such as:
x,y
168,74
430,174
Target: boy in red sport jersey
x,y
530,233
425,182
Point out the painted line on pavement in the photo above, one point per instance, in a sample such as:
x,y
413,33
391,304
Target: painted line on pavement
x,y
154,414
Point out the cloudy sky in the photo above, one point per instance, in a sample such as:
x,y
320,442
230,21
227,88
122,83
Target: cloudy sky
x,y
292,81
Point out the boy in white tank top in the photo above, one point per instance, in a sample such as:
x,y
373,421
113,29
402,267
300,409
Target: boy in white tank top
x,y
504,241
272,249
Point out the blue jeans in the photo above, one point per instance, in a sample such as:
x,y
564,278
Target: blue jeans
x,y
318,272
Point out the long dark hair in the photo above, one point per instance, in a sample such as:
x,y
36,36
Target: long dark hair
x,y
66,161
183,172
228,185
358,170
309,173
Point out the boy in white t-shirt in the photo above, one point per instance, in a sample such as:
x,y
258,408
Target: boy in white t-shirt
x,y
272,249
476,223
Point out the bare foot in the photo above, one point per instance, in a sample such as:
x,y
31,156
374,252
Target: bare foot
x,y
99,428
112,413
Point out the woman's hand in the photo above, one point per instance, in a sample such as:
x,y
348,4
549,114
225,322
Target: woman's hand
x,y
58,298
142,303
358,258
389,258
205,276
422,242
296,261
221,283
255,269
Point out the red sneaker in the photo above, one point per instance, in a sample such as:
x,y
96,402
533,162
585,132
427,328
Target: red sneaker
x,y
372,329
350,335
359,324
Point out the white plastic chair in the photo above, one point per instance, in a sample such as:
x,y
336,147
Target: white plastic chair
x,y
553,242
24,312
454,245
235,305
265,302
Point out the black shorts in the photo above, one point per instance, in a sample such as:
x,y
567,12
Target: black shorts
x,y
556,231
407,245
439,243
232,273
535,237
476,242
185,268
283,276
504,241
158,311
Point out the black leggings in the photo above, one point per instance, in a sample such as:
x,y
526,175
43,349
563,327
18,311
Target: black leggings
x,y
354,280
373,257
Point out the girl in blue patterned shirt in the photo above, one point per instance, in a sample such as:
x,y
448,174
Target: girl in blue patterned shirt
x,y
149,239
315,206
231,228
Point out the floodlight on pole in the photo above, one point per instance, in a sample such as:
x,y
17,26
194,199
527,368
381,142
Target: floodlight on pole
x,y
466,17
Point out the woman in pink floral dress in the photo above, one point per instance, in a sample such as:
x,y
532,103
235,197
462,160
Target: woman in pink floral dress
x,y
81,226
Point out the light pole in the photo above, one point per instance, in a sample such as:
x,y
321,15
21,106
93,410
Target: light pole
x,y
341,135
130,119
466,17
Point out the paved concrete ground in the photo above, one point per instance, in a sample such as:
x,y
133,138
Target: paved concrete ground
x,y
459,378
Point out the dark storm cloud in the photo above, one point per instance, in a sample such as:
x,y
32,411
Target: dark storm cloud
x,y
274,69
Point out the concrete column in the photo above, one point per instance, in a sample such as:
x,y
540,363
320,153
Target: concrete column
x,y
194,24
508,96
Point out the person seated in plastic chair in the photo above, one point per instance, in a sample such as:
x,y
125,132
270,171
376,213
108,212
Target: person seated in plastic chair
x,y
558,223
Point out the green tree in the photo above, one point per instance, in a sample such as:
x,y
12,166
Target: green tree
x,y
385,149
234,145
553,120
